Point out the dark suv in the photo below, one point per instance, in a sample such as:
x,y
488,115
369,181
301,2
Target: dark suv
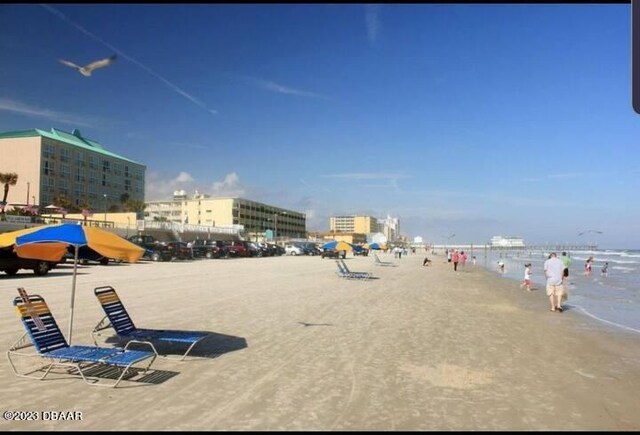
x,y
153,249
10,263
209,248
332,253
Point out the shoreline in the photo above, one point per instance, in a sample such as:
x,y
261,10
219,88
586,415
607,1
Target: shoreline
x,y
419,348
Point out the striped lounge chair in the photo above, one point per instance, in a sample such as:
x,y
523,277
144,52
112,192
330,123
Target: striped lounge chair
x,y
117,317
50,345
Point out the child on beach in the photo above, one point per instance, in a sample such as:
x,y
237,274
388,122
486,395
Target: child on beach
x,y
605,270
527,277
474,260
587,266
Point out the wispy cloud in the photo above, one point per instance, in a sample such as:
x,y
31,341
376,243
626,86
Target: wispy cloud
x,y
555,176
373,22
281,89
131,59
41,112
367,176
159,187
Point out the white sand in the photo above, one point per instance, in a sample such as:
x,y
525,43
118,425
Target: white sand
x,y
420,348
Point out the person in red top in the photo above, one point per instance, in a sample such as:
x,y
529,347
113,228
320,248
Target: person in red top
x,y
456,258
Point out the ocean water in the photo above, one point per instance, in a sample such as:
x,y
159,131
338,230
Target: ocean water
x,y
613,299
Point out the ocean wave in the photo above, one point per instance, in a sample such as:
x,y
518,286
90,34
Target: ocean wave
x,y
623,268
607,321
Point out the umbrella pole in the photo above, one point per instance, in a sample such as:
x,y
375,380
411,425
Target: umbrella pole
x,y
73,292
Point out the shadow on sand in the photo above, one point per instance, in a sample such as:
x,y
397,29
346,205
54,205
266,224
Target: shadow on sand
x,y
213,346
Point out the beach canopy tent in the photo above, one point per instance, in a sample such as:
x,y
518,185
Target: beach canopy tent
x,y
338,246
376,246
40,242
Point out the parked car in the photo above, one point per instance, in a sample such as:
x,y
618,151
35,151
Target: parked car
x,y
10,263
180,250
209,248
86,255
293,250
332,253
154,250
237,249
275,249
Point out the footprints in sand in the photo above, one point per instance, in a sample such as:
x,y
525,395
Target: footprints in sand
x,y
449,375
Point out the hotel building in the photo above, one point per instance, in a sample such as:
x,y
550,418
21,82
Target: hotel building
x,y
254,217
50,163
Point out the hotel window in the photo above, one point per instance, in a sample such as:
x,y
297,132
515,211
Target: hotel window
x,y
80,175
93,177
64,155
127,185
79,192
65,171
79,158
50,183
126,170
93,162
48,168
106,166
117,169
48,150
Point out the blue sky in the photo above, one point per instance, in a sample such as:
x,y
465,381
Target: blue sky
x,y
473,120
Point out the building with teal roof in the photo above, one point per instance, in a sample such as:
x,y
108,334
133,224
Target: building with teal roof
x,y
54,163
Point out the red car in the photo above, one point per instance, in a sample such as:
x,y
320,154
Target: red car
x,y
237,249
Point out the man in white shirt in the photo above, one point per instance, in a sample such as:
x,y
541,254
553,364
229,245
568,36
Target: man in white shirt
x,y
553,271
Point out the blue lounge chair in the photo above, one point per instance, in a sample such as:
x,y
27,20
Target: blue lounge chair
x,y
118,318
344,272
50,345
379,262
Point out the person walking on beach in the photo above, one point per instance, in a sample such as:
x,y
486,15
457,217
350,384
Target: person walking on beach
x,y
527,277
553,272
587,266
501,266
448,256
474,260
463,259
567,262
456,259
605,269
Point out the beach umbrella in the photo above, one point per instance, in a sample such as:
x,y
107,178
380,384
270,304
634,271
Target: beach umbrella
x,y
338,246
377,246
103,242
49,251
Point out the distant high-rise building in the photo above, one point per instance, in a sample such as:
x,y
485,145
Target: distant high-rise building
x,y
353,224
390,227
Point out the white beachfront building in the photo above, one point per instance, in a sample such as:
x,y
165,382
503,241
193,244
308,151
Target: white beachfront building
x,y
506,242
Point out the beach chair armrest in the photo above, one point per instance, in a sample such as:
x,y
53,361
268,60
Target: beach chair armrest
x,y
148,343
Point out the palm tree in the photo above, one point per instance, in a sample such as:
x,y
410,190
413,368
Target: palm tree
x,y
8,179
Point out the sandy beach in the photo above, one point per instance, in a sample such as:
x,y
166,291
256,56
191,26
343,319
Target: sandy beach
x,y
298,348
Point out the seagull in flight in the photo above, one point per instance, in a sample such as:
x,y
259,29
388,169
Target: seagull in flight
x,y
590,231
88,69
